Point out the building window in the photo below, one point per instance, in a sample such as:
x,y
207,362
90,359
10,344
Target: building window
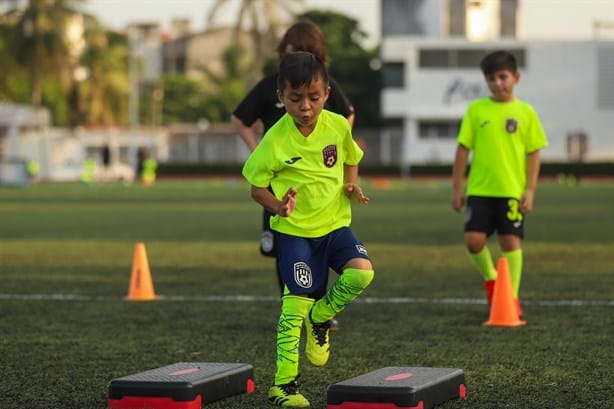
x,y
605,76
456,18
482,19
461,58
401,17
438,128
393,75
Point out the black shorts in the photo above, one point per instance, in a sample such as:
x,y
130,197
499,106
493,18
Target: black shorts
x,y
490,214
305,262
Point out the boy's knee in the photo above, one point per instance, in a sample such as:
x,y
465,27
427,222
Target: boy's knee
x,y
358,277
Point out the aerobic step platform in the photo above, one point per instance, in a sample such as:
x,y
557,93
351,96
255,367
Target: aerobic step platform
x,y
183,385
398,387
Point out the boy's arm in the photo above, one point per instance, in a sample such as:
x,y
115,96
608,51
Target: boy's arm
x,y
350,187
247,133
283,207
458,177
533,165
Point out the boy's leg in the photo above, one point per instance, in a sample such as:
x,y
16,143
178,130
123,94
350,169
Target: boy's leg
x,y
348,286
482,260
514,260
284,391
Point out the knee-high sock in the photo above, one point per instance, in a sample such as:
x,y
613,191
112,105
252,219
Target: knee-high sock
x,y
348,286
483,262
293,312
514,260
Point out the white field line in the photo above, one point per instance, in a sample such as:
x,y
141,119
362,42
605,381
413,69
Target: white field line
x,y
256,298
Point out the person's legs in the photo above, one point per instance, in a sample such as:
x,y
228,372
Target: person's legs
x,y
357,275
285,391
479,225
479,254
303,271
512,251
510,227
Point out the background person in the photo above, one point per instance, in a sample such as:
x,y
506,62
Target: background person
x,y
505,136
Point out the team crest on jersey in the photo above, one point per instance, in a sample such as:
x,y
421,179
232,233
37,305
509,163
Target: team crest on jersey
x,y
302,275
330,155
511,125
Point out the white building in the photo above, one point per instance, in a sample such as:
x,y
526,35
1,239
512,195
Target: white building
x,y
431,72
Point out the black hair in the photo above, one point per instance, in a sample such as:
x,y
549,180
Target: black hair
x,y
300,68
497,61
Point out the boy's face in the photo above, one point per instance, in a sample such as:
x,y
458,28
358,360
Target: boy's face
x,y
501,84
305,103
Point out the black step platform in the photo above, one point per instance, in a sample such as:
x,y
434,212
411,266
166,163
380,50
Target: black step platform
x,y
183,385
398,387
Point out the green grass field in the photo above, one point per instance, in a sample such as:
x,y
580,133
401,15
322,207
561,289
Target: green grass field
x,y
66,331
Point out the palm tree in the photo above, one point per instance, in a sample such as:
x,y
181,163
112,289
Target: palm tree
x,y
263,19
40,42
103,93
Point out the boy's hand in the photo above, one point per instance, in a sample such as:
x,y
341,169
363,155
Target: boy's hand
x,y
354,192
288,203
526,201
458,200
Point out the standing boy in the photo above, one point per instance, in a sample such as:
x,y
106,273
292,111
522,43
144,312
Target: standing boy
x,y
505,136
310,160
262,103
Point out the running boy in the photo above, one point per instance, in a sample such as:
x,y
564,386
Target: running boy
x,y
311,161
505,136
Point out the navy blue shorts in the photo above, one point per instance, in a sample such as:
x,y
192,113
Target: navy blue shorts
x,y
305,262
487,214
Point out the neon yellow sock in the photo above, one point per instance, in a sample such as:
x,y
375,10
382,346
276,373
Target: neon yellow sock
x,y
514,260
294,309
348,286
483,262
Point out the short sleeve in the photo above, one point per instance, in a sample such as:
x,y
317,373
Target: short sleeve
x,y
466,133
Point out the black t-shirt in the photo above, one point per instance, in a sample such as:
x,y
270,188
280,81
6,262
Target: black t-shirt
x,y
262,103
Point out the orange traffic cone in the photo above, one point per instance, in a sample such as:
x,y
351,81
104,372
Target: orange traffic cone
x,y
141,285
503,310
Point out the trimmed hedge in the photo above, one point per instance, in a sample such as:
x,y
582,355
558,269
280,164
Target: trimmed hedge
x,y
547,169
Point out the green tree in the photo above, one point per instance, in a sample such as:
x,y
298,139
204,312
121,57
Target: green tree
x,y
225,91
101,97
40,43
13,81
351,64
183,99
263,19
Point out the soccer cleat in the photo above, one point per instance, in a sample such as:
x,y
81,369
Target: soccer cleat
x,y
317,347
287,395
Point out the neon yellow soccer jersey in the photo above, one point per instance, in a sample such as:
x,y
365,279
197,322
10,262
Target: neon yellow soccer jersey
x,y
314,166
500,135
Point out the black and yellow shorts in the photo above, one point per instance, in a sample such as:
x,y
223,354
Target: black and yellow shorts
x,y
490,214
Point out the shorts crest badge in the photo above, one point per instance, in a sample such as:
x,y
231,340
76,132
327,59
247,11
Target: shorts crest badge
x,y
302,275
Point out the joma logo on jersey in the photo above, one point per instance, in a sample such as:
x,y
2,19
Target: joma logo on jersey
x,y
330,155
302,275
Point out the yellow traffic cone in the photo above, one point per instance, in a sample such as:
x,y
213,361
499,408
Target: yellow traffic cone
x,y
141,285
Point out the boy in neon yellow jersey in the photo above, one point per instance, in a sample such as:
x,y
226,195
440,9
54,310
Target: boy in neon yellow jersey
x,y
310,157
505,136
